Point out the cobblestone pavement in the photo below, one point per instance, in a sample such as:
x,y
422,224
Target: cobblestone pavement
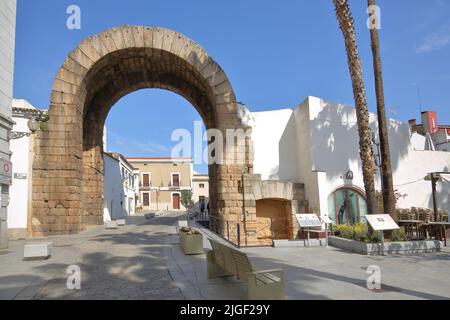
x,y
127,263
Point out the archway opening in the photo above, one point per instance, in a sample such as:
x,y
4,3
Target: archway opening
x,y
112,78
347,205
142,134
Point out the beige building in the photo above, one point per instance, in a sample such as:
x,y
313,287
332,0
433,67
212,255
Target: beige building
x,y
162,180
200,188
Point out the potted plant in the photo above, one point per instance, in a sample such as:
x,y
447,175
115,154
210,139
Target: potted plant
x,y
191,241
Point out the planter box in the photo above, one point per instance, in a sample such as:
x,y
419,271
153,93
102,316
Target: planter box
x,y
299,243
407,247
191,243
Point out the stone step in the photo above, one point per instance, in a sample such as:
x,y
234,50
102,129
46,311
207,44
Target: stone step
x,y
299,243
37,251
111,225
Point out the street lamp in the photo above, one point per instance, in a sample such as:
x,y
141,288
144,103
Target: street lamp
x,y
434,177
33,126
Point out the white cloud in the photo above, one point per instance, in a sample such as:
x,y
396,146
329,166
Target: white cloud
x,y
148,146
433,42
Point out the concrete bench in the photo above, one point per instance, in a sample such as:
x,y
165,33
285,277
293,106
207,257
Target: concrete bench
x,y
121,222
37,251
111,225
224,261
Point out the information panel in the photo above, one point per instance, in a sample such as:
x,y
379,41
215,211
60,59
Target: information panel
x,y
381,222
307,220
326,219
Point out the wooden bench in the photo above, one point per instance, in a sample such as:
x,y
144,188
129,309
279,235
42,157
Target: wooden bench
x,y
224,261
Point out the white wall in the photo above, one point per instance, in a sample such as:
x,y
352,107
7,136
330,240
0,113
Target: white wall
x,y
18,205
319,144
7,44
267,131
117,192
113,190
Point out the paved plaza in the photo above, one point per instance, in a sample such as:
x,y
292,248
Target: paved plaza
x,y
143,261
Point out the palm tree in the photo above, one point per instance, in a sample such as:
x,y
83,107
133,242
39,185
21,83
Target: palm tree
x,y
386,170
345,19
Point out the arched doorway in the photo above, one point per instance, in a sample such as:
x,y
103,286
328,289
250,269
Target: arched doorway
x,y
68,166
347,205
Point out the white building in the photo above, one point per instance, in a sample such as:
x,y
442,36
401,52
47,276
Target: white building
x,y
200,189
20,190
317,144
7,44
120,187
430,135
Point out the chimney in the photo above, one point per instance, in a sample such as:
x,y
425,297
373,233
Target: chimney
x,y
429,122
412,125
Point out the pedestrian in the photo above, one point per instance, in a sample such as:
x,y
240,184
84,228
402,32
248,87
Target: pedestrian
x,y
202,206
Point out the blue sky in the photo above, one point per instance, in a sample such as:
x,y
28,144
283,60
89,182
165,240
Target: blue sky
x,y
275,53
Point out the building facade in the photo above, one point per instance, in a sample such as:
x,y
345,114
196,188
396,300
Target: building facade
x,y
21,157
162,181
120,187
316,145
200,189
7,44
430,135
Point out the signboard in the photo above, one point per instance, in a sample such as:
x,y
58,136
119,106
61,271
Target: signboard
x,y
18,175
308,220
380,222
5,171
326,219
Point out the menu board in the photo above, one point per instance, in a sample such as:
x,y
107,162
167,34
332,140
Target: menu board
x,y
306,220
381,222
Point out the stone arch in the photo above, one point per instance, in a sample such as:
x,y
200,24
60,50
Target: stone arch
x,y
272,197
68,165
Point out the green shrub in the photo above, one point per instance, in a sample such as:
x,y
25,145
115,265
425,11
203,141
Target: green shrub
x,y
375,237
398,235
343,231
359,232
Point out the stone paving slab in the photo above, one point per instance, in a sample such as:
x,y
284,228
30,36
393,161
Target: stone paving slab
x,y
143,260
330,273
115,264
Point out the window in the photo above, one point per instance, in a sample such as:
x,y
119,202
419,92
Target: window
x,y
201,186
175,179
145,199
146,180
347,206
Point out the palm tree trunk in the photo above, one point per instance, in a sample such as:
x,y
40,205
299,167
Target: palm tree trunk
x,y
386,170
345,19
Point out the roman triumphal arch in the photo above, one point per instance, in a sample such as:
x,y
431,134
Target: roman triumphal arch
x,y
67,174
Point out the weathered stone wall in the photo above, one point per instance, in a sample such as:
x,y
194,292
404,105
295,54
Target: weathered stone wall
x,y
68,167
284,199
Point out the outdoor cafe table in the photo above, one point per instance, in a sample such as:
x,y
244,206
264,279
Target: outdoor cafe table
x,y
437,229
411,226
